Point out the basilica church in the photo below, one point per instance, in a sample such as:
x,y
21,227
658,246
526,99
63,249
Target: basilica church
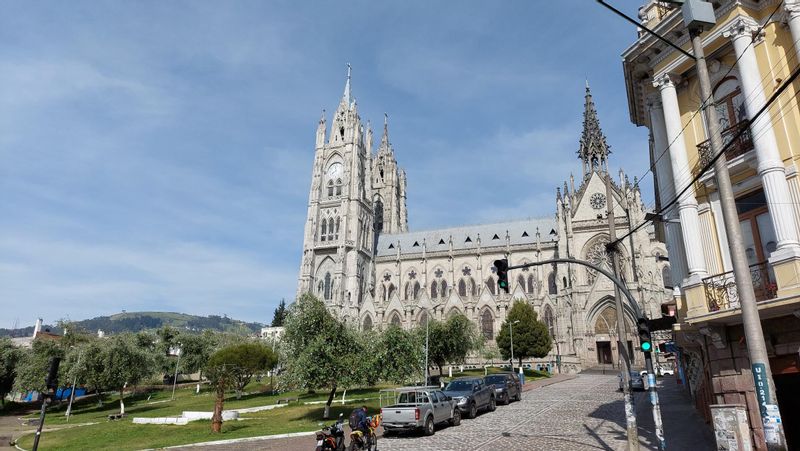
x,y
361,259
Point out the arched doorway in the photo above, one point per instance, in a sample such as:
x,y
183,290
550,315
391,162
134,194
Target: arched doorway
x,y
606,334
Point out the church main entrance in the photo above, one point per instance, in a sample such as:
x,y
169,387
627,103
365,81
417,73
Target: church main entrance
x,y
604,352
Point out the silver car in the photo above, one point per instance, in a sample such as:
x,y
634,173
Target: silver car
x,y
637,382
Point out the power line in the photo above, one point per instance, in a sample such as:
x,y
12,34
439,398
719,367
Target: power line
x,y
710,163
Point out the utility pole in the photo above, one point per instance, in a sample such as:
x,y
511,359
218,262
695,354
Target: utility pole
x,y
511,334
427,321
72,392
754,336
622,350
175,378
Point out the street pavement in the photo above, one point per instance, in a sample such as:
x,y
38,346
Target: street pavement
x,y
581,413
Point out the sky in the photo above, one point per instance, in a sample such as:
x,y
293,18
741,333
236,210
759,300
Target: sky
x,y
157,155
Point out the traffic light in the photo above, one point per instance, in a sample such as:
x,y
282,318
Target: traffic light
x,y
502,273
645,340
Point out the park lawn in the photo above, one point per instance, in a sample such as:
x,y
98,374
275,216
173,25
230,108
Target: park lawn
x,y
123,434
530,375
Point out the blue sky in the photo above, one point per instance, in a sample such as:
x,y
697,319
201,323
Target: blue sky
x,y
156,155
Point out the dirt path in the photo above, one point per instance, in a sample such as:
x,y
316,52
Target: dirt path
x,y
11,428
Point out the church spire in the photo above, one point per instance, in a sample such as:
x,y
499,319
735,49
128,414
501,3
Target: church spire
x,y
346,96
593,149
385,146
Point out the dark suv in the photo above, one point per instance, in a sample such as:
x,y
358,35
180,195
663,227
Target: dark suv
x,y
507,387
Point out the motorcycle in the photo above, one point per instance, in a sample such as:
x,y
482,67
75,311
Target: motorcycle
x,y
331,438
370,442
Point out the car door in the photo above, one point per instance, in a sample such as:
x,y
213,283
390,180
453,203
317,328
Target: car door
x,y
441,408
480,394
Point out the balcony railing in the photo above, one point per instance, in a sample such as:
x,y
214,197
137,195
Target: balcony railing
x,y
721,292
742,144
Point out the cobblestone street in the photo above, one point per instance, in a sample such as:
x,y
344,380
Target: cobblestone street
x,y
584,413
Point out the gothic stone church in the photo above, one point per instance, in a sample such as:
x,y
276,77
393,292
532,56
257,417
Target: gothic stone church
x,y
361,259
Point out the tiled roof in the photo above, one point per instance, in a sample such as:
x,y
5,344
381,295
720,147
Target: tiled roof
x,y
466,237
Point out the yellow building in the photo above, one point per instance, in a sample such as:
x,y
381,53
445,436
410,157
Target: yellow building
x,y
750,51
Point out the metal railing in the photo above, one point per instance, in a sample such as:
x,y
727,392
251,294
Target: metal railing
x,y
742,145
721,292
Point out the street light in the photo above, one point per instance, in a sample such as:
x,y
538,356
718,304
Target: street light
x,y
74,381
511,333
175,378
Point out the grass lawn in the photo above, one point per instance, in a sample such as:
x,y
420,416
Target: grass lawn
x,y
530,375
124,435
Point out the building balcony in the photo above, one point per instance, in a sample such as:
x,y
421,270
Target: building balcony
x,y
721,292
737,145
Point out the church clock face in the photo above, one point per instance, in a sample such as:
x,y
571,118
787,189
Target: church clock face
x,y
334,171
597,201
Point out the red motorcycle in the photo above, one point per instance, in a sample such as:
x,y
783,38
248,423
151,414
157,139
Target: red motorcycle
x,y
331,438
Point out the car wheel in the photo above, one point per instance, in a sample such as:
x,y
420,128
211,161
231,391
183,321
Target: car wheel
x,y
473,410
519,395
492,405
430,429
456,420
389,432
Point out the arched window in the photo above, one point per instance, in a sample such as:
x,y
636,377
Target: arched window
x,y
564,281
490,285
531,284
487,325
549,320
434,291
462,288
417,287
378,209
395,320
521,282
331,225
320,288
367,323
423,318
330,188
551,284
391,291
327,293
338,187
666,275
473,287
336,233
324,231
443,288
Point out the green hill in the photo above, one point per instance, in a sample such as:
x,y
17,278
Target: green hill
x,y
138,321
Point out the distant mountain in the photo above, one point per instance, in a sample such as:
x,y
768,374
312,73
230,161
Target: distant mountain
x,y
138,321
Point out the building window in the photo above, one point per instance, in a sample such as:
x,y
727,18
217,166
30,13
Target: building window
x,y
549,321
417,288
443,288
367,323
327,293
490,285
395,320
757,230
330,188
324,231
391,291
336,232
423,318
551,284
531,284
487,325
521,282
434,291
338,187
666,276
462,288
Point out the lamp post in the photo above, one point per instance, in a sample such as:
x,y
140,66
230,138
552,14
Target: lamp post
x,y
74,382
511,334
175,378
427,329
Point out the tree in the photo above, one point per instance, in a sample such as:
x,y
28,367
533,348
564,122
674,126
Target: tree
x,y
531,337
123,361
220,376
320,350
244,360
279,316
196,349
9,359
396,354
34,364
450,341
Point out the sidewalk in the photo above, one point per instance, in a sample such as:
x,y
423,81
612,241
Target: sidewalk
x,y
684,428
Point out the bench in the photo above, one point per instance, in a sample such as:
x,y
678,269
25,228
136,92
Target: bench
x,y
116,416
286,400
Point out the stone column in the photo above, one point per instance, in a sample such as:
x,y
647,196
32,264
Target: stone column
x,y
770,165
682,174
792,8
666,188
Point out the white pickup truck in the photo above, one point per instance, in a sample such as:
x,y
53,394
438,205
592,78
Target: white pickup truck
x,y
417,408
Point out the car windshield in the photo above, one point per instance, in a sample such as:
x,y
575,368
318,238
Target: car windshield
x,y
459,386
496,380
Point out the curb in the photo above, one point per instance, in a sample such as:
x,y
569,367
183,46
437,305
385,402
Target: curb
x,y
240,440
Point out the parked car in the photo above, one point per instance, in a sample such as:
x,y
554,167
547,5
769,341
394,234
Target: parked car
x,y
418,408
471,394
637,382
660,371
507,387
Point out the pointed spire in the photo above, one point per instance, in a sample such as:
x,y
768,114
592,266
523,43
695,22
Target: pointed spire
x,y
385,146
593,149
346,96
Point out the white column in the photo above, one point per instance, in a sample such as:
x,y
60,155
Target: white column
x,y
666,189
770,164
682,175
792,8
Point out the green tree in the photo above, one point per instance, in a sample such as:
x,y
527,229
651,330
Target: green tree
x,y
196,349
34,364
279,316
531,337
9,359
220,376
450,341
123,361
320,351
244,360
400,353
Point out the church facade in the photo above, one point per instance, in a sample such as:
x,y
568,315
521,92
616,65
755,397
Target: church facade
x,y
360,258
